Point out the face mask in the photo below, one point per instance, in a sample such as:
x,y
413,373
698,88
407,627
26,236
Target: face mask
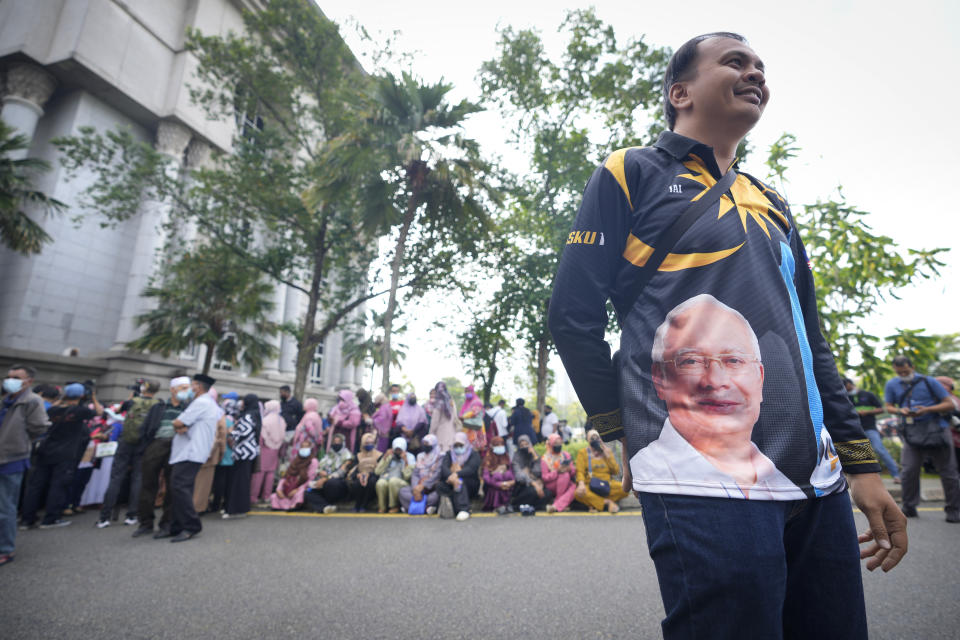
x,y
395,396
557,448
185,396
304,452
596,445
336,446
12,385
499,450
368,447
427,448
468,396
459,450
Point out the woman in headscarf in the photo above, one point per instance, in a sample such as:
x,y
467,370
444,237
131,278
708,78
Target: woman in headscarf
x,y
393,473
471,415
344,418
497,476
527,473
244,438
361,479
382,422
459,478
425,478
271,439
597,461
558,473
412,423
291,488
309,431
444,415
330,487
367,408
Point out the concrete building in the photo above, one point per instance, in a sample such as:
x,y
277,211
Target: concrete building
x,y
107,63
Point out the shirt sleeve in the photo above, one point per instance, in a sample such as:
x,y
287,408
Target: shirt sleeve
x,y
191,414
839,417
585,280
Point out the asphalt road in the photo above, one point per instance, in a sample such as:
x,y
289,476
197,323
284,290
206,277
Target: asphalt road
x,y
571,576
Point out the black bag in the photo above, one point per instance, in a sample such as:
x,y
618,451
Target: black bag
x,y
598,486
925,434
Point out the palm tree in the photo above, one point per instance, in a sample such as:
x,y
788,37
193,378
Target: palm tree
x,y
430,177
362,350
210,297
17,231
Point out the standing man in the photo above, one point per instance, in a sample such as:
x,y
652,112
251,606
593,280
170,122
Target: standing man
x,y
498,416
23,419
731,563
126,462
549,422
196,429
156,441
56,459
918,401
868,407
521,422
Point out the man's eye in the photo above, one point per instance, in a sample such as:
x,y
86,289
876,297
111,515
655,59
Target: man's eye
x,y
735,62
688,362
734,361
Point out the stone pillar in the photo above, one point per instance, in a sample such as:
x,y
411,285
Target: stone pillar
x,y
291,313
28,89
172,139
199,156
271,366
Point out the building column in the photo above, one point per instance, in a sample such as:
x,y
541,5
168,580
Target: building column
x,y
172,140
199,156
28,89
291,314
271,366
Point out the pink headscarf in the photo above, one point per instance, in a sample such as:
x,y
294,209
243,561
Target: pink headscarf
x,y
473,404
310,427
461,438
347,413
383,417
411,414
273,429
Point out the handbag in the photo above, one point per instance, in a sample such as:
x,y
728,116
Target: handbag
x,y
475,423
418,507
106,449
598,486
925,434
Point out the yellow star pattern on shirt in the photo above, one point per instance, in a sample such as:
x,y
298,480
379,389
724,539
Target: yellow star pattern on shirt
x,y
748,201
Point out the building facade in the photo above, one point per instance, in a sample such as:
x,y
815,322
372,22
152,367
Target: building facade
x,y
67,64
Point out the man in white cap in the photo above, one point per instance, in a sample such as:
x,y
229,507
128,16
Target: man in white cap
x,y
156,441
196,429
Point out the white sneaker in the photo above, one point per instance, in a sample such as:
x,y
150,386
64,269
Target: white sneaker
x,y
103,524
431,511
233,516
330,508
130,521
463,515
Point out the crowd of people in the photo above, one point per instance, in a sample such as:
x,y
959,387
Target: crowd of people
x,y
195,452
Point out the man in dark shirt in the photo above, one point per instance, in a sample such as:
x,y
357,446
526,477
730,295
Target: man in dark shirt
x,y
730,564
56,457
868,406
290,408
521,422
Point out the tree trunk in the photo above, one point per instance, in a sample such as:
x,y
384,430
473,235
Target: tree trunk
x,y
394,283
491,375
208,358
308,340
543,354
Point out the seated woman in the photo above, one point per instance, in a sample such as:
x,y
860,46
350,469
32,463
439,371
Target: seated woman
x,y
344,418
393,473
293,484
459,478
426,476
598,461
361,479
330,486
498,479
309,431
529,487
558,473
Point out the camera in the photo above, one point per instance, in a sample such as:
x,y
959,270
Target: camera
x,y
136,386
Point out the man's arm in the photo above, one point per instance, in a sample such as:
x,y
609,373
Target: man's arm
x,y
585,279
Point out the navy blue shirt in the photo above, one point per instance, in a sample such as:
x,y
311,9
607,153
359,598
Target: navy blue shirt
x,y
926,393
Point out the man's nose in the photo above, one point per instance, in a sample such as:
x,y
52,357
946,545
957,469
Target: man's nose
x,y
715,375
755,75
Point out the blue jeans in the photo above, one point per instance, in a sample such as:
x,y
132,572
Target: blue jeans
x,y
756,568
876,441
9,495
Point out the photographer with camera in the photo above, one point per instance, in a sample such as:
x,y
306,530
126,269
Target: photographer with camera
x,y
57,455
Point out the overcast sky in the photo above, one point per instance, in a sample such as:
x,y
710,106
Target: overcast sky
x,y
869,89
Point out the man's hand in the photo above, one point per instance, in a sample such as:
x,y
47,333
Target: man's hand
x,y
625,468
888,525
581,490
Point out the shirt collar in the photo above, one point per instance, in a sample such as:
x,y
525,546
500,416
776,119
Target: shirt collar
x,y
680,147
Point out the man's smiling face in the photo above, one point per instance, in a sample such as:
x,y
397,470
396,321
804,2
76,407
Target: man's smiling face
x,y
729,84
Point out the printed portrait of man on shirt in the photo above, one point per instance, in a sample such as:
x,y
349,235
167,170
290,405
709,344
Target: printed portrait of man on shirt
x,y
707,368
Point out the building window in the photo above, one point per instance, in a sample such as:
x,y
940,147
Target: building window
x,y
247,114
222,366
316,368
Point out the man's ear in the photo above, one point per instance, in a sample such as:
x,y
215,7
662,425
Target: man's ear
x,y
679,96
656,373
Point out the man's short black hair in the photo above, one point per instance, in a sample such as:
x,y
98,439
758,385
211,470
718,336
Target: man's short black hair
x,y
902,361
284,387
47,391
548,407
681,67
502,401
394,385
30,371
847,381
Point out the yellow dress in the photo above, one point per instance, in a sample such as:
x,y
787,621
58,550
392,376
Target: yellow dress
x,y
604,467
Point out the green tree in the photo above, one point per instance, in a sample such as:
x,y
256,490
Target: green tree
x,y
210,297
361,349
291,85
18,231
855,272
565,115
486,342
